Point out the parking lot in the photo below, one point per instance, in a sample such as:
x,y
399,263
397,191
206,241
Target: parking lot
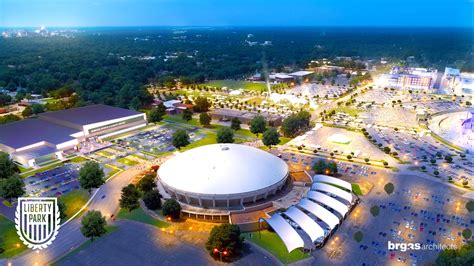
x,y
418,211
55,182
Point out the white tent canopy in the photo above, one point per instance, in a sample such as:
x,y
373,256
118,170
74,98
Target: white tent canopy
x,y
332,203
310,227
287,234
319,211
332,180
333,190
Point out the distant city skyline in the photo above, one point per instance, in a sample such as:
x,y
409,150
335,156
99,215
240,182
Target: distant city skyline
x,y
82,13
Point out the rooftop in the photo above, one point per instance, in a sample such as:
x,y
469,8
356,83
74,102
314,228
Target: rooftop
x,y
90,114
30,131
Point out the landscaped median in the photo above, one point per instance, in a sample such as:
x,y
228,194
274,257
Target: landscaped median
x,y
74,201
139,215
271,242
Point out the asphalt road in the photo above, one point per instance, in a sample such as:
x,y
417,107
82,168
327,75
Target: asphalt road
x,y
137,243
70,235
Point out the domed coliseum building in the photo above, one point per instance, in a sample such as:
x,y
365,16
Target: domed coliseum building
x,y
223,176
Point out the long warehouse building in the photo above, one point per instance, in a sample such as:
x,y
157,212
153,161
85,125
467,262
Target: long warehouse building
x,y
34,140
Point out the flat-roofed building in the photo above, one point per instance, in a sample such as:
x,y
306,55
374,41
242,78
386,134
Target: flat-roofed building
x,y
224,114
456,82
31,141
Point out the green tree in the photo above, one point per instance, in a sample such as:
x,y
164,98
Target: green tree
x,y
358,236
296,124
225,238
332,168
180,139
37,108
136,103
470,206
320,167
152,199
187,115
11,187
62,210
235,124
201,104
147,183
375,210
171,208
156,114
448,158
461,256
389,188
7,167
205,119
129,198
225,135
466,233
258,125
93,225
27,112
271,137
91,176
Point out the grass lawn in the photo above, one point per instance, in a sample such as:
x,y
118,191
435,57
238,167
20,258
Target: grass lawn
x,y
178,119
273,244
110,229
348,110
209,139
235,84
11,242
74,201
78,159
139,157
127,161
284,140
113,171
140,216
356,189
7,203
23,169
105,154
43,169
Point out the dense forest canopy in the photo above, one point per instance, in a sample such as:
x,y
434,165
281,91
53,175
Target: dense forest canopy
x,y
111,65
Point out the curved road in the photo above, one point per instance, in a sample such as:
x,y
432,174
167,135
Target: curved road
x,y
70,236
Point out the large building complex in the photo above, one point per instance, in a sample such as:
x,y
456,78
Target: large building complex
x,y
409,79
455,82
31,141
223,176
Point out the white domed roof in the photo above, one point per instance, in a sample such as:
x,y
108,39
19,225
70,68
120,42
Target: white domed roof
x,y
223,169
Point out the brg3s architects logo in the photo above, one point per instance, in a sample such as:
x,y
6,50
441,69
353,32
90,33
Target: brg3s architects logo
x,y
37,221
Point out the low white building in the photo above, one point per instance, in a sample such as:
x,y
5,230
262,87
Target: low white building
x,y
455,82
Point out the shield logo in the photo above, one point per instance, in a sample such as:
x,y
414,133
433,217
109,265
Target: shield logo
x,y
37,221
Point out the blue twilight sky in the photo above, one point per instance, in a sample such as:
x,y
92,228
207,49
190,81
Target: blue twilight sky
x,y
434,13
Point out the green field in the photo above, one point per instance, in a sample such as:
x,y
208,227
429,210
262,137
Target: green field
x,y
127,161
273,244
234,84
74,201
43,169
78,159
209,139
140,216
10,241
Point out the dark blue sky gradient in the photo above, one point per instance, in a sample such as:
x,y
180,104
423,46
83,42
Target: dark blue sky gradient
x,y
431,13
